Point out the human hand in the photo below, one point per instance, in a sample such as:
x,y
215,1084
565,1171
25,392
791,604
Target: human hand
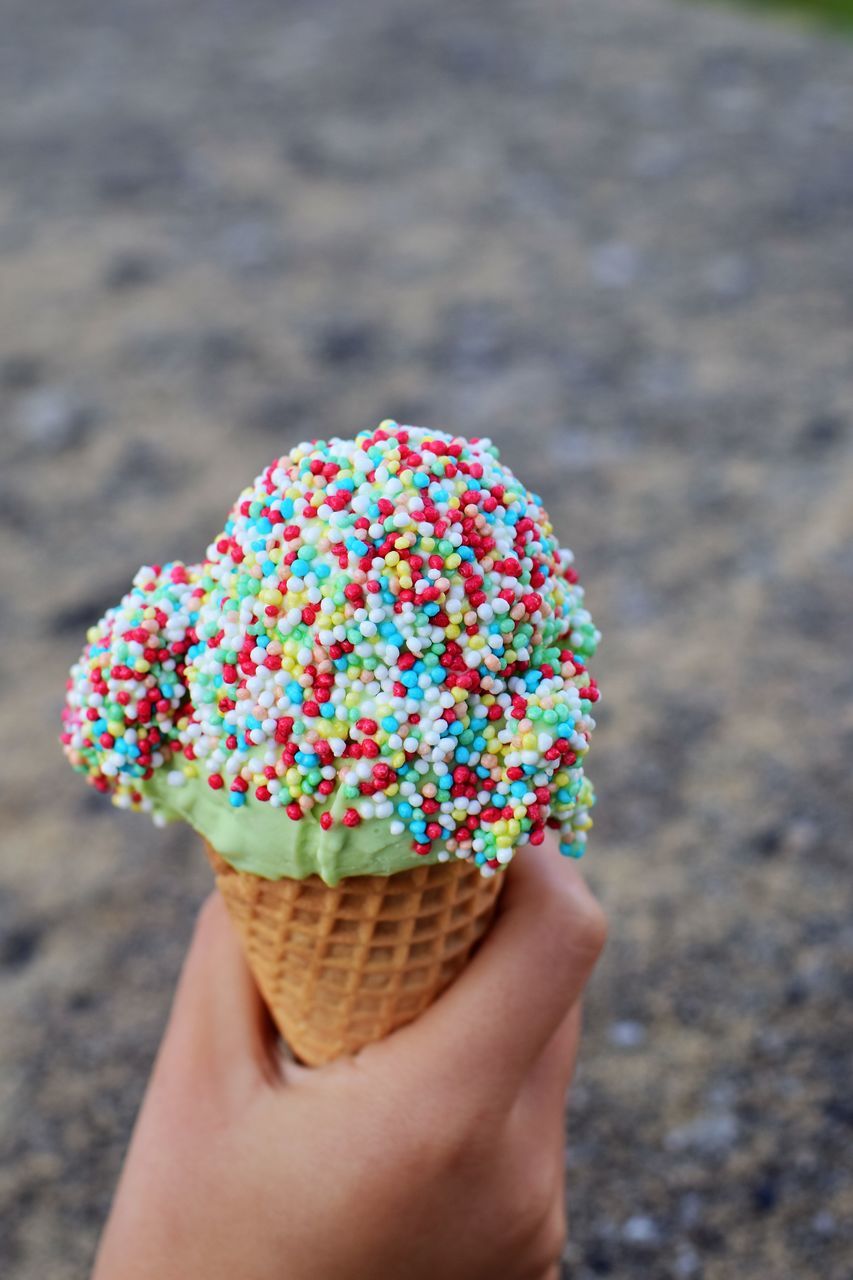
x,y
436,1152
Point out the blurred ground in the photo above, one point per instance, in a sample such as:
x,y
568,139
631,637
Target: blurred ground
x,y
619,239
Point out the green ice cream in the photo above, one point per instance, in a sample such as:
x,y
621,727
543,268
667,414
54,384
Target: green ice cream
x,y
262,840
380,663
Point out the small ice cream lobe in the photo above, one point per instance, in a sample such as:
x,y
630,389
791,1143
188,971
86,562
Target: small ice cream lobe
x,y
385,629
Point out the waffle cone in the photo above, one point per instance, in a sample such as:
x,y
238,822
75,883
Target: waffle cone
x,y
341,967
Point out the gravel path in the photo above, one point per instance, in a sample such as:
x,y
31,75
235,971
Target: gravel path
x,y
616,237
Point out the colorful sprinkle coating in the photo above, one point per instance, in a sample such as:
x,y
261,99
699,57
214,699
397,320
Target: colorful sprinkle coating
x,y
390,615
127,700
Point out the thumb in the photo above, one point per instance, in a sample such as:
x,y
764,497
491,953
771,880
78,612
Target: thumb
x,y
218,1029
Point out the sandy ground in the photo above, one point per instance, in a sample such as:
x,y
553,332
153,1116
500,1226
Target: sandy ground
x,y
618,238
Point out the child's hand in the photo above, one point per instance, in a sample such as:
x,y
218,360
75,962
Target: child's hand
x,y
436,1153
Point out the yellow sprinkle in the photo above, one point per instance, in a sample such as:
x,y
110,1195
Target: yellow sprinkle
x,y
141,666
453,632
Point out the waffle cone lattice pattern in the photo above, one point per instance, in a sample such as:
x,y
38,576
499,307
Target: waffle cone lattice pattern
x,y
340,968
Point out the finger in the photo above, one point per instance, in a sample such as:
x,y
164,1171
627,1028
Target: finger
x,y
540,1107
219,1030
496,1019
548,1080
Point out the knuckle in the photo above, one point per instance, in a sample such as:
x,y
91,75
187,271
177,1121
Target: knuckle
x,y
208,914
533,1200
591,926
582,919
208,921
554,1235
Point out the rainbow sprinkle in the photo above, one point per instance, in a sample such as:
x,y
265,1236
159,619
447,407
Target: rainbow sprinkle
x,y
390,615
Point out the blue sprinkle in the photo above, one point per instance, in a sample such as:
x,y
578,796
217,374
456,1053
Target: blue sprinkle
x,y
389,724
237,798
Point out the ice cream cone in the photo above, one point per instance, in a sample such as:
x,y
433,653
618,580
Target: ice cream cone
x,y
342,967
